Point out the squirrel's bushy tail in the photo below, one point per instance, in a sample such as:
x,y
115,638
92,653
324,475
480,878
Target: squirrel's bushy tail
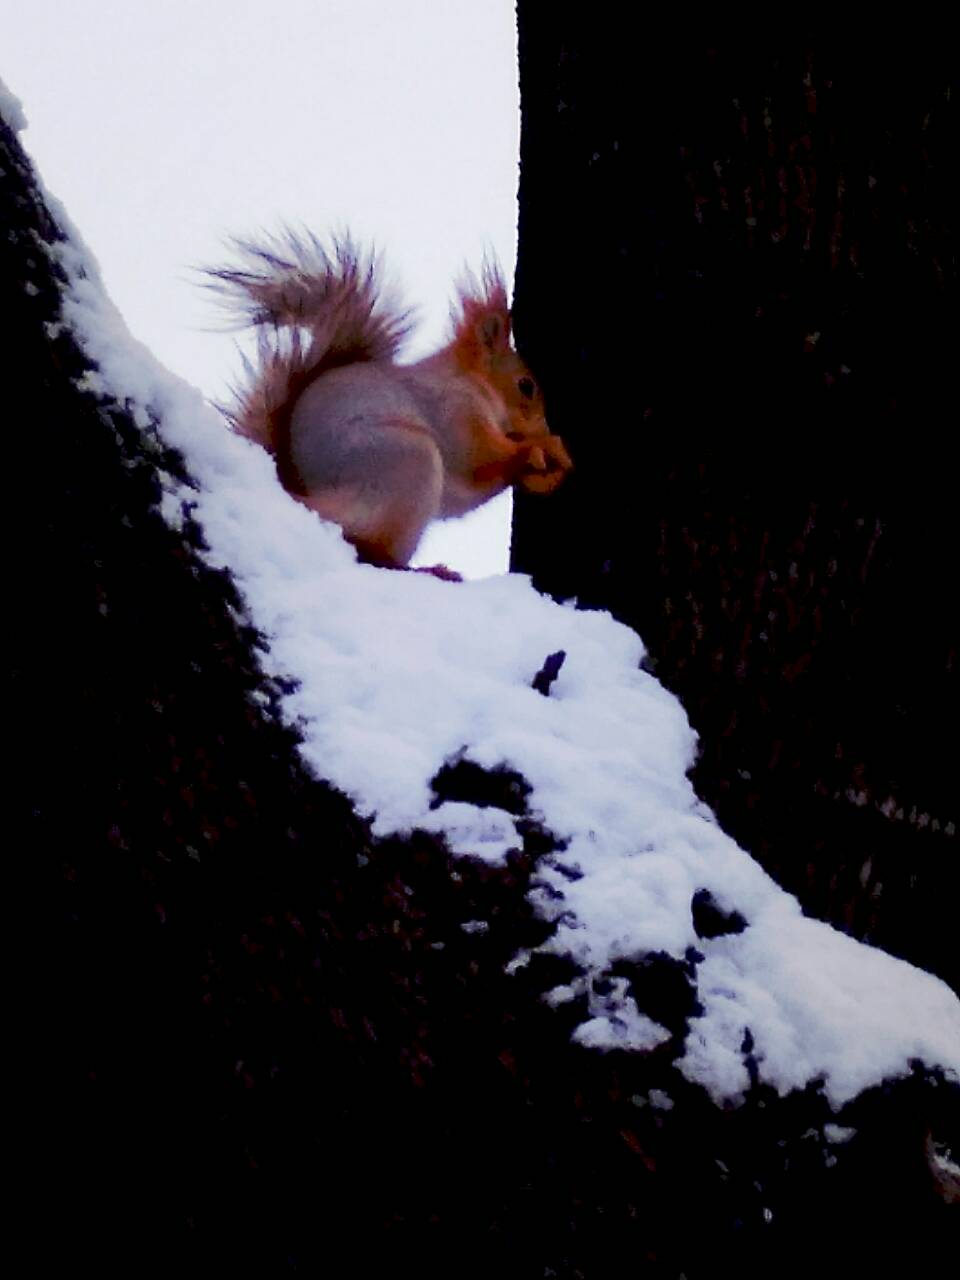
x,y
314,311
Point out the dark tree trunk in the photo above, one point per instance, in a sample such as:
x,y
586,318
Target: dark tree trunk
x,y
261,1042
736,283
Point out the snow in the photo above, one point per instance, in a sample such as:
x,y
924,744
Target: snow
x,y
398,673
837,1134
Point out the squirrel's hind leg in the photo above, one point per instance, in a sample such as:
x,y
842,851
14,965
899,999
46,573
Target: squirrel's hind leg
x,y
384,510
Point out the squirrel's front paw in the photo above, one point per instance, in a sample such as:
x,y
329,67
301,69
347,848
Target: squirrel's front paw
x,y
541,481
546,465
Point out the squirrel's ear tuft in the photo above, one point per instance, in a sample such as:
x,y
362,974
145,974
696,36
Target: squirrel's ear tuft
x,y
493,331
481,322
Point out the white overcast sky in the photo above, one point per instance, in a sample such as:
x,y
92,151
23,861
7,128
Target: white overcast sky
x,y
164,126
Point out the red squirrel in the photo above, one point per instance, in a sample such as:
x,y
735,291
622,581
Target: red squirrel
x,y
378,447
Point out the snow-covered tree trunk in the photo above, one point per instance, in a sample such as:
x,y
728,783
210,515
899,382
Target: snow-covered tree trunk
x,y
272,1036
737,286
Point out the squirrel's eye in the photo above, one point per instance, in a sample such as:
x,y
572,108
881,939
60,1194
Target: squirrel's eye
x,y
527,387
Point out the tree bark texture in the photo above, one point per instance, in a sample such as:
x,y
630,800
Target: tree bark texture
x,y
737,285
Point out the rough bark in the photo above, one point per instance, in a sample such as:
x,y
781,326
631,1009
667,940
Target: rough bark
x,y
736,283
